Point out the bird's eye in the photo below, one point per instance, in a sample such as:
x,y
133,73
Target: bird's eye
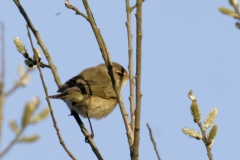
x,y
119,73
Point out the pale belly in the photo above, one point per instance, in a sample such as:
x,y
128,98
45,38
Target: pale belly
x,y
94,107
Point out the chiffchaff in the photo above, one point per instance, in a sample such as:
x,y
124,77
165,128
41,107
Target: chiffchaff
x,y
91,92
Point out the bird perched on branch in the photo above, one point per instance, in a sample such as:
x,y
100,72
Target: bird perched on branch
x,y
91,92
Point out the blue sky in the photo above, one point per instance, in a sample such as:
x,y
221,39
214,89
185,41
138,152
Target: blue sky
x,y
186,45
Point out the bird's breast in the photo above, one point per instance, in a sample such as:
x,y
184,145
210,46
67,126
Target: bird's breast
x,y
94,107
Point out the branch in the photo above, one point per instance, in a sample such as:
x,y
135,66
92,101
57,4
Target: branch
x,y
237,11
2,101
33,62
153,142
12,143
138,81
40,42
69,6
19,83
3,53
2,77
130,64
48,101
133,7
204,139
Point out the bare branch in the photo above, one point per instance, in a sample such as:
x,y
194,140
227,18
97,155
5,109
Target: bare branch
x,y
130,64
2,53
19,83
153,142
204,139
138,81
11,143
2,76
2,101
69,6
133,7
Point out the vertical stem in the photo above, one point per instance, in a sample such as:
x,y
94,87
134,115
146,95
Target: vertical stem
x,y
130,64
2,100
205,141
153,141
3,53
138,81
2,96
96,32
11,143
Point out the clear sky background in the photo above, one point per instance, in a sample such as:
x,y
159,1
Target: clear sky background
x,y
186,45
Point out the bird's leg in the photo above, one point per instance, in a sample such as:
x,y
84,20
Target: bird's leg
x,y
71,113
92,133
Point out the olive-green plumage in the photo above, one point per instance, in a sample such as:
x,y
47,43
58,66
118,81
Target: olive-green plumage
x,y
91,92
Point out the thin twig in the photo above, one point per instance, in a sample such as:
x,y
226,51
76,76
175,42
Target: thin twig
x,y
237,11
42,65
133,7
153,142
69,6
40,42
19,83
48,101
2,101
12,143
3,53
204,139
2,77
138,80
130,64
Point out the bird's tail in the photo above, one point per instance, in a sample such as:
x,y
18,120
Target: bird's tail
x,y
73,96
58,96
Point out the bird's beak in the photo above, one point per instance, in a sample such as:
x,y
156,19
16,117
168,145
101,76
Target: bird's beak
x,y
126,76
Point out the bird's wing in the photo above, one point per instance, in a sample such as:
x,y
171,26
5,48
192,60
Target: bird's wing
x,y
73,94
70,83
99,89
90,85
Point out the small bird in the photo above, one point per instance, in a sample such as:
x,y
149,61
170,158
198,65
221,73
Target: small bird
x,y
91,92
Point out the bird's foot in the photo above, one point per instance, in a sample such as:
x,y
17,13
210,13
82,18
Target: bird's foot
x,y
71,114
89,136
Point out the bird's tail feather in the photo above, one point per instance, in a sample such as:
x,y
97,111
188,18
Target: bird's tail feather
x,y
64,95
73,96
57,96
